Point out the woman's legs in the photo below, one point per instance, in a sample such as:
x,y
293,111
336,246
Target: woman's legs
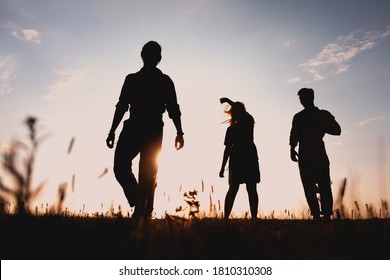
x,y
253,199
229,199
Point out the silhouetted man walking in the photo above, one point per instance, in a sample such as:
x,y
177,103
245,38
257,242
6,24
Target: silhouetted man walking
x,y
146,94
308,129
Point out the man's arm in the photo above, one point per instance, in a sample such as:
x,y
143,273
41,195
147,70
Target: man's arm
x,y
334,128
174,113
328,122
179,140
293,154
120,110
293,140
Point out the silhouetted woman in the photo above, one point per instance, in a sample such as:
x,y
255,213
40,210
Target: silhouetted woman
x,y
241,152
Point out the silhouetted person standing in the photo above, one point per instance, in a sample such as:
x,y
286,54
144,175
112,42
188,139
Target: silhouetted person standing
x,y
241,152
308,129
147,94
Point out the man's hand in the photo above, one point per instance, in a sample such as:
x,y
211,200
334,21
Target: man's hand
x,y
221,172
110,140
293,155
179,142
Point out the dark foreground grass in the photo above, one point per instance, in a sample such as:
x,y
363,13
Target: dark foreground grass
x,y
60,237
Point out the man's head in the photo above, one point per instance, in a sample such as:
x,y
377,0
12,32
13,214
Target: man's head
x,y
151,53
306,97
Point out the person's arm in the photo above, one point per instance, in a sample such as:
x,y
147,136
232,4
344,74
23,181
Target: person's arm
x,y
334,127
179,140
226,154
174,113
293,154
120,110
326,121
293,141
226,100
227,151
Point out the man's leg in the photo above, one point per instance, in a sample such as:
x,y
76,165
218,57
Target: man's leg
x,y
125,152
148,167
325,192
309,187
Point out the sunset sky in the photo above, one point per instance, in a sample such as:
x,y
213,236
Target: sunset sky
x,y
65,62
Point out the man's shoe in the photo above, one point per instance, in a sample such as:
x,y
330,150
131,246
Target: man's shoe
x,y
316,218
326,218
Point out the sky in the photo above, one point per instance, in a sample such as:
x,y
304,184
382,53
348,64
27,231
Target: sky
x,y
64,62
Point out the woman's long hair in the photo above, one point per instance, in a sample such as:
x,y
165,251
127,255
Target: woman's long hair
x,y
237,112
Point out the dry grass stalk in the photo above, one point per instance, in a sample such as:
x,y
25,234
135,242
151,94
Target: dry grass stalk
x,y
21,173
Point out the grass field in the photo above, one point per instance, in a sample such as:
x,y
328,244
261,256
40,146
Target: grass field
x,y
61,237
361,233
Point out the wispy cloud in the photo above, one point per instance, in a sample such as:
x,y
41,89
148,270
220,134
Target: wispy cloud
x,y
30,35
334,57
294,80
65,83
288,44
7,68
191,9
373,119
